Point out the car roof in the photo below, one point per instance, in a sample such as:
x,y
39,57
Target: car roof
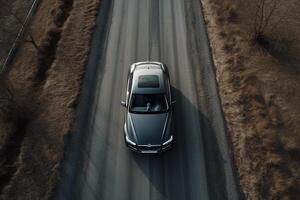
x,y
154,82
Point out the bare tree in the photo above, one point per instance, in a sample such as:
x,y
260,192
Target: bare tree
x,y
30,38
264,17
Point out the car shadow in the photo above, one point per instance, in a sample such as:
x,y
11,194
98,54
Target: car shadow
x,y
178,171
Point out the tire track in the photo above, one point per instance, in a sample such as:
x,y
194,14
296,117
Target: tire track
x,y
103,121
171,58
109,191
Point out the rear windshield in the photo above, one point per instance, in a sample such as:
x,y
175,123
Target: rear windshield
x,y
148,103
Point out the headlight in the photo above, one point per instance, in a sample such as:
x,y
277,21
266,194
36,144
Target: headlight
x,y
169,140
129,141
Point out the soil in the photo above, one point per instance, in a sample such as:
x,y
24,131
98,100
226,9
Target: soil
x,y
258,81
36,122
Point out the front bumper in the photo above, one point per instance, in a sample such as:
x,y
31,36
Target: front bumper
x,y
149,149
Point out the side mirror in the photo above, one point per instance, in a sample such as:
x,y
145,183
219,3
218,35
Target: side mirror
x,y
123,103
173,103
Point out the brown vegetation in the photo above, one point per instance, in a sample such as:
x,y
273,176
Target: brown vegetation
x,y
256,47
11,13
37,106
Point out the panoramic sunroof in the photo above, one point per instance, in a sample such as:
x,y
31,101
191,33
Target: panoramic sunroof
x,y
148,81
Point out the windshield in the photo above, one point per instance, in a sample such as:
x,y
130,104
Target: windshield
x,y
148,103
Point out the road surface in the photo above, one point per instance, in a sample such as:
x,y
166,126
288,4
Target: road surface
x,y
199,166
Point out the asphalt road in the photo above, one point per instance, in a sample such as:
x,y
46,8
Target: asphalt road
x,y
199,166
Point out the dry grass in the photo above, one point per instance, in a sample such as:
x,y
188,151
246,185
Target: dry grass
x,y
49,99
9,25
258,87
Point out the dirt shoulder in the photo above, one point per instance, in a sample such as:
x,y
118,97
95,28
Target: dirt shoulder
x,y
258,83
45,85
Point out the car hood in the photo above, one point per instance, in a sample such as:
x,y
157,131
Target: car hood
x,y
148,128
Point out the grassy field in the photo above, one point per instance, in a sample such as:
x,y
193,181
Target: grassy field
x,y
256,49
9,24
38,98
